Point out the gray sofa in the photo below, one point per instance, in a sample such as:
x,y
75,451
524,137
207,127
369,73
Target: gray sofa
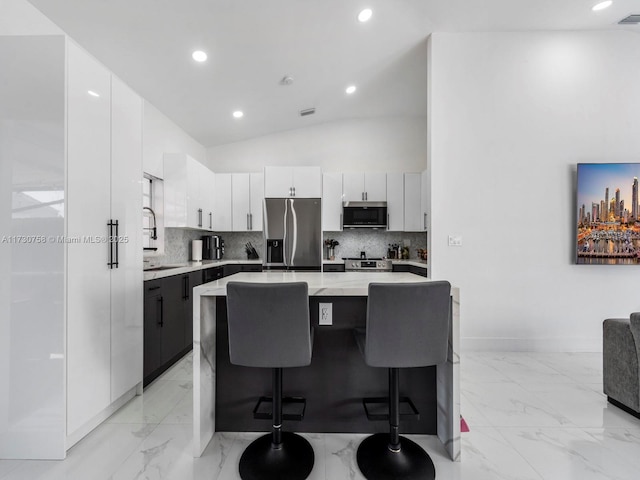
x,y
621,350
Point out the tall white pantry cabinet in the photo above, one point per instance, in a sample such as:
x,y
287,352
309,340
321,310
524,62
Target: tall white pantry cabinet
x,y
83,181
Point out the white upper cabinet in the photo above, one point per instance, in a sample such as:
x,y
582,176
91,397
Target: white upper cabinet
x,y
246,201
395,202
331,202
256,182
189,193
283,182
207,194
425,195
222,216
413,218
370,187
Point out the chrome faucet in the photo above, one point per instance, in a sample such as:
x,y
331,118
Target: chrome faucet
x,y
154,235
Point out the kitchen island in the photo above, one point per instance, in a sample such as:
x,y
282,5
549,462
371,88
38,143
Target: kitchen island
x,y
348,289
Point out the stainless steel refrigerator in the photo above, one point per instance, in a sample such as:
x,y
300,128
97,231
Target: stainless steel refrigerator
x,y
292,233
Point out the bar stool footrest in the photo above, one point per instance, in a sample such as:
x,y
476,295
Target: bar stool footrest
x,y
263,414
413,415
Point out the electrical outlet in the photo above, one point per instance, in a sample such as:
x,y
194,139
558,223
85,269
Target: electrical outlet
x,y
455,240
325,315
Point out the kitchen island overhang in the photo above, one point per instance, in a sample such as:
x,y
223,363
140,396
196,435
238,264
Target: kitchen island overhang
x,y
324,286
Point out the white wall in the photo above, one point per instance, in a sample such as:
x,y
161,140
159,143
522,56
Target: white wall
x,y
511,114
159,136
377,144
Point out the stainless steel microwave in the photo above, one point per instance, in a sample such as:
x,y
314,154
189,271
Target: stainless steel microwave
x,y
364,215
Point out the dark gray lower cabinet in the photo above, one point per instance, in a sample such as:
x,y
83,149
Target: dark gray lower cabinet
x,y
168,315
153,322
410,269
333,267
168,321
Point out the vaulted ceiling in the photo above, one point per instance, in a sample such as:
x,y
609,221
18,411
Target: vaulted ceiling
x,y
253,44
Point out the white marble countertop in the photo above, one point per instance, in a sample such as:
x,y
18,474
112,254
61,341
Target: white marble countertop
x,y
179,268
321,284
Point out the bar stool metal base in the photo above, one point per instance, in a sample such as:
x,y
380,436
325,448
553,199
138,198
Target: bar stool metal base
x,y
292,461
377,462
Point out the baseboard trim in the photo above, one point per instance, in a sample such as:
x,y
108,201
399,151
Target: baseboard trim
x,y
488,344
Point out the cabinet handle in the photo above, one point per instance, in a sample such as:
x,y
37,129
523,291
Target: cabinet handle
x,y
388,221
199,217
341,223
425,220
110,262
117,244
161,300
291,191
362,196
248,227
251,221
210,220
154,288
366,195
294,191
185,287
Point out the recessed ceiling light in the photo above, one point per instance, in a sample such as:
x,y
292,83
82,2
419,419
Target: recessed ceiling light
x,y
350,89
238,114
199,56
92,93
602,5
365,15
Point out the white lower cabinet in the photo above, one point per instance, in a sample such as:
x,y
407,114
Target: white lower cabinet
x,y
104,269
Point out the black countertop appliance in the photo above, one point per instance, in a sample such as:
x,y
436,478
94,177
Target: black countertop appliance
x,y
212,247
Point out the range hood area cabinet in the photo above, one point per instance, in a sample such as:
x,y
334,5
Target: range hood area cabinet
x,y
71,318
285,182
189,193
364,187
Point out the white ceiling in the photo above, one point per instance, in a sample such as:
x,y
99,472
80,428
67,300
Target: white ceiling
x,y
252,44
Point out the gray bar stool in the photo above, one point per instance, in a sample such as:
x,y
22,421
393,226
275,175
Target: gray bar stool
x,y
269,327
407,326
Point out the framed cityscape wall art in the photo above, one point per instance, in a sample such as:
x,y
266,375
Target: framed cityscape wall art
x,y
608,223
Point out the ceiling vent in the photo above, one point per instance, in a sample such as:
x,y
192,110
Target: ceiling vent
x,y
630,20
308,111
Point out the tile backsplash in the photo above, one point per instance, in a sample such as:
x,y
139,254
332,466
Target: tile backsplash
x,y
375,243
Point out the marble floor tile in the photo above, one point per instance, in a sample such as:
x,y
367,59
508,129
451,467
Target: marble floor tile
x,y
523,368
525,424
96,457
157,400
474,370
568,453
509,404
164,454
7,465
581,404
